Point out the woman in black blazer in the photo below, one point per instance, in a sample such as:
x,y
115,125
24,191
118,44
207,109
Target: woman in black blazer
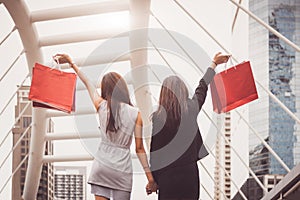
x,y
176,143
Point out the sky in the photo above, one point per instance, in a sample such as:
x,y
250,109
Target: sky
x,y
215,15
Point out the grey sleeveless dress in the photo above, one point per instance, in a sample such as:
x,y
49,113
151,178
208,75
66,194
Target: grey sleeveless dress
x,y
112,166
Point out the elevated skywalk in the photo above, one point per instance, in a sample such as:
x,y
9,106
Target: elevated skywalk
x,y
140,14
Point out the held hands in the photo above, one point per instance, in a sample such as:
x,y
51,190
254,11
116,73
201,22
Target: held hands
x,y
151,187
220,58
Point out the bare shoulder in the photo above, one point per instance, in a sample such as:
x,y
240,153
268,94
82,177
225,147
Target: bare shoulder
x,y
97,102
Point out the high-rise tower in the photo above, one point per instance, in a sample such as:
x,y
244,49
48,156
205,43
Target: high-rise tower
x,y
276,66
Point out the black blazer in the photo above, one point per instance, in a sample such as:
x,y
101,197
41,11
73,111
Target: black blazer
x,y
182,143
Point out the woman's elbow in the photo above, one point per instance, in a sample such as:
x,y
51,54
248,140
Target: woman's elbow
x,y
139,150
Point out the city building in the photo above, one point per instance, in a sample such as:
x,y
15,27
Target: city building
x,y
21,141
253,191
222,171
276,66
70,182
259,159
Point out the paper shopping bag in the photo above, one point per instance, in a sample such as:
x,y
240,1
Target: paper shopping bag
x,y
52,88
233,87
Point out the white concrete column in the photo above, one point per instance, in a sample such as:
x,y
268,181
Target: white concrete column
x,y
36,153
139,19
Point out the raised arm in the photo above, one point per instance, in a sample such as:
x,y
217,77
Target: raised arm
x,y
201,90
141,154
95,97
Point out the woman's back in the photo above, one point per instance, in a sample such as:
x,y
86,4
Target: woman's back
x,y
178,144
125,121
113,167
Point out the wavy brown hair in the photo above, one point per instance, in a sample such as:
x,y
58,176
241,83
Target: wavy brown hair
x,y
114,90
172,100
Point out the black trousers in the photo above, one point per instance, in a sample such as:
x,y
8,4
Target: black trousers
x,y
179,183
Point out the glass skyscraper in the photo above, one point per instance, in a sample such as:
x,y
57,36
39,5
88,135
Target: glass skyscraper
x,y
276,66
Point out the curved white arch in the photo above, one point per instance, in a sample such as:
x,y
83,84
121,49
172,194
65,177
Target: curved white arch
x,y
19,12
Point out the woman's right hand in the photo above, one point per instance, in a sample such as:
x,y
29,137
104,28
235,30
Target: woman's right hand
x,y
221,58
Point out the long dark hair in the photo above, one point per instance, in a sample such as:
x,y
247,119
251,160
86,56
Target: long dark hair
x,y
114,90
172,100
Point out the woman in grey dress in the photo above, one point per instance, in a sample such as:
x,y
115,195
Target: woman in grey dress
x,y
111,174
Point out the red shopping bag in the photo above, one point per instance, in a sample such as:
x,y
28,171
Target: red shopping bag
x,y
233,87
52,88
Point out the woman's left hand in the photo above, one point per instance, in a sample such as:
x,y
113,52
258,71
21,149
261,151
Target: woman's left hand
x,y
62,58
151,187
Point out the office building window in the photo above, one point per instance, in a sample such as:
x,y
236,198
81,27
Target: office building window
x,y
26,121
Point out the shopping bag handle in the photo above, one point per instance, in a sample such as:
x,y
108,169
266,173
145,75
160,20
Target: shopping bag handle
x,y
230,63
55,63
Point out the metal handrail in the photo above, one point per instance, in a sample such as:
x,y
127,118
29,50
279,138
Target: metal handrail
x,y
7,36
245,164
16,144
210,176
12,174
20,115
267,26
13,95
206,191
13,63
225,171
265,143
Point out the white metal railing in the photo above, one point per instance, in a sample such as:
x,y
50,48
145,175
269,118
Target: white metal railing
x,y
212,178
267,26
265,143
13,95
206,191
13,173
225,171
69,136
12,64
235,16
17,119
79,37
79,111
15,146
7,36
79,10
10,152
237,154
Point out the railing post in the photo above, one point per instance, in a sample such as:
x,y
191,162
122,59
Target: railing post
x,y
139,18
